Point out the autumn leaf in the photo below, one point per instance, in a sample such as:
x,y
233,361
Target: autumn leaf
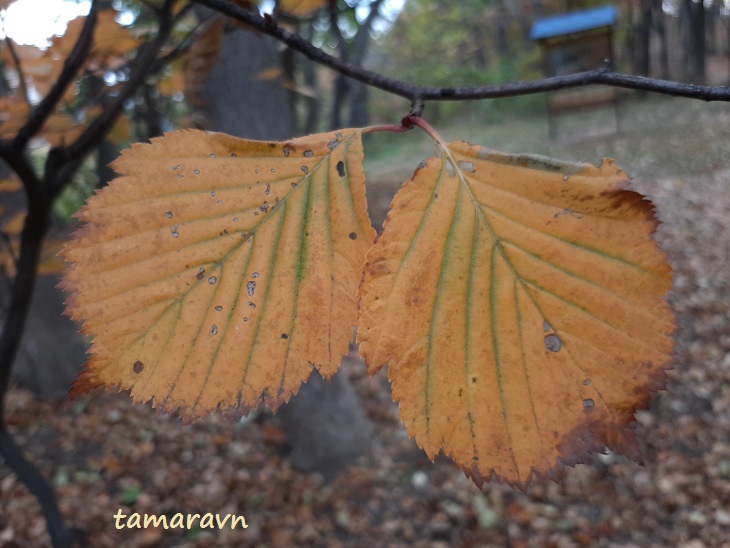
x,y
10,185
519,302
112,42
300,8
219,272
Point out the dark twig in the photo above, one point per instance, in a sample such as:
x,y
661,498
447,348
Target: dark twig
x,y
145,60
21,76
71,67
61,163
36,484
601,75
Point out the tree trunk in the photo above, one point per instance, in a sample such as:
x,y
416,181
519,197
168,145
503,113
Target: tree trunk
x,y
325,423
661,27
694,13
642,56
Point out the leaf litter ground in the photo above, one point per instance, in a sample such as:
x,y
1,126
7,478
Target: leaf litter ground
x,y
104,453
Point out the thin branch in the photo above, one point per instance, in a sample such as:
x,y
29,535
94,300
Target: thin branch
x,y
43,491
181,49
9,244
602,75
145,59
361,39
73,63
21,76
18,162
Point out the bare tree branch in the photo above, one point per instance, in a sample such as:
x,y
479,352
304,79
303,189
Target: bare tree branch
x,y
145,60
417,94
21,76
73,63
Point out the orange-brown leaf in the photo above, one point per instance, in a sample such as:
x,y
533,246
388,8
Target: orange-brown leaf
x,y
300,8
520,303
219,272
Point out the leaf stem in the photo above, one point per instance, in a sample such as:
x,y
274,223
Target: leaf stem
x,y
411,121
394,128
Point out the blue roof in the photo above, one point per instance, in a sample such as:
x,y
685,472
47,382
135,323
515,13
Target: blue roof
x,y
576,21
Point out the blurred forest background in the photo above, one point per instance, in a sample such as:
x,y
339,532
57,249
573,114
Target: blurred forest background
x,y
101,453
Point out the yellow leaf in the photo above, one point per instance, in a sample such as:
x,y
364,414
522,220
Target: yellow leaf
x,y
172,83
271,73
219,272
14,225
520,303
10,185
300,8
121,132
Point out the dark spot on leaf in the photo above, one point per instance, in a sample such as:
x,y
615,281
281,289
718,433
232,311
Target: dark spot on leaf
x,y
284,336
546,326
255,275
305,169
175,168
175,234
333,144
180,176
341,168
435,195
212,280
252,305
196,171
235,219
308,153
473,380
219,308
273,170
138,367
234,155
353,236
268,189
338,135
212,192
264,208
553,342
294,185
566,177
286,151
214,330
588,403
199,275
586,382
212,155
168,214
251,287
245,319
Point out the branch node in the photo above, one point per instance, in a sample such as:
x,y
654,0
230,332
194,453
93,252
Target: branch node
x,y
417,107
